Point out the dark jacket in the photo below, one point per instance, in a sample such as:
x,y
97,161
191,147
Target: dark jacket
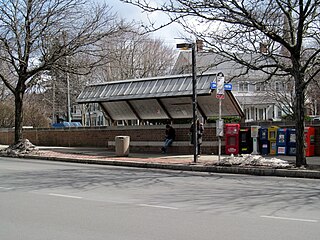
x,y
200,130
170,133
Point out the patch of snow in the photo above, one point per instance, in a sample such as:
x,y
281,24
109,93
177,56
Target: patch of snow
x,y
253,160
21,148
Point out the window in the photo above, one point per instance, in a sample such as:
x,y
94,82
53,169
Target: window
x,y
243,87
74,109
279,86
260,87
279,113
261,111
247,113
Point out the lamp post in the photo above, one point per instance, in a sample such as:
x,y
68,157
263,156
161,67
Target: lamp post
x,y
68,95
192,46
64,37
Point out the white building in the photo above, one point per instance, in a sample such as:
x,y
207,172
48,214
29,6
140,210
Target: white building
x,y
260,100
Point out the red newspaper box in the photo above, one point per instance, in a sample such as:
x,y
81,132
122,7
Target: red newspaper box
x,y
232,138
309,133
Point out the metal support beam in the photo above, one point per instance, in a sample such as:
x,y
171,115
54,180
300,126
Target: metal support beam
x,y
106,112
133,110
164,108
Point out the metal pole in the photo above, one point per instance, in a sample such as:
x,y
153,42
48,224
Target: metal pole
x,y
64,35
219,128
53,101
194,104
220,96
69,101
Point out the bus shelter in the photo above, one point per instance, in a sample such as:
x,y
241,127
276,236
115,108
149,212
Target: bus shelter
x,y
168,97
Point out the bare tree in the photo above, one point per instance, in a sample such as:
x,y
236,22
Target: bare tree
x,y
36,35
313,98
35,111
237,29
131,54
6,113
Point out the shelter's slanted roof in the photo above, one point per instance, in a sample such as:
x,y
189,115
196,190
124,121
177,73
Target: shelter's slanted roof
x,y
180,85
158,98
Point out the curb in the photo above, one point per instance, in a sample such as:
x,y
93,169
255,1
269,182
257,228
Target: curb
x,y
257,171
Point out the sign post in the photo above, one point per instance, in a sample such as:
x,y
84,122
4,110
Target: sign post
x,y
220,95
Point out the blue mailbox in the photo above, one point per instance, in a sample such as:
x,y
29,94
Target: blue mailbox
x,y
263,139
291,134
282,141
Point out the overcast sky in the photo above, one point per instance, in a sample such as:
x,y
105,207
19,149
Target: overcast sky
x,y
130,12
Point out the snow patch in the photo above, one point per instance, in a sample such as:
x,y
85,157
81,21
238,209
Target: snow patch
x,y
21,148
253,160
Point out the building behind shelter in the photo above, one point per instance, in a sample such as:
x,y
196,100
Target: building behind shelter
x,y
260,100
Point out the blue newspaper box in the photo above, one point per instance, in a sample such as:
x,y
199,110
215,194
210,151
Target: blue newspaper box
x,y
291,141
282,141
263,139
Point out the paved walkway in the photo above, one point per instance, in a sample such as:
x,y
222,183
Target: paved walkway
x,y
206,163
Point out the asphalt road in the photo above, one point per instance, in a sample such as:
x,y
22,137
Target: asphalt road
x,y
50,200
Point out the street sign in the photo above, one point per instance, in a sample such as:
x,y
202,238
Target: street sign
x,y
219,128
227,86
220,96
220,86
213,85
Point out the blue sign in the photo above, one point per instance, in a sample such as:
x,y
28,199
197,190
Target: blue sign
x,y
227,86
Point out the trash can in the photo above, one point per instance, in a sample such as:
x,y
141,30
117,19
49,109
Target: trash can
x,y
122,145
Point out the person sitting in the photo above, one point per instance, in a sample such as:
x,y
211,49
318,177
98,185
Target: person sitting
x,y
169,138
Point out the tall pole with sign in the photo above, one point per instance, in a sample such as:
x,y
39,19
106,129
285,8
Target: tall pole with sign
x,y
220,96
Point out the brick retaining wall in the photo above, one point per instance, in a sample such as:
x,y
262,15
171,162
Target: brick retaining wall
x,y
100,136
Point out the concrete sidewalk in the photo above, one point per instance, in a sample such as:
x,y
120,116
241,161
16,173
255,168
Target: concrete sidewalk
x,y
206,163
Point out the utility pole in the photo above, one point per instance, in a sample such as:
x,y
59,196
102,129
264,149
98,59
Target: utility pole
x,y
64,35
68,95
192,46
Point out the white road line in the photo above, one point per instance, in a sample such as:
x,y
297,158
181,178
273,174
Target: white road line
x,y
291,219
66,196
5,188
157,206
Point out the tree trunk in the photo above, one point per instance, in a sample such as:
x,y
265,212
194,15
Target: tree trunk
x,y
18,135
300,124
